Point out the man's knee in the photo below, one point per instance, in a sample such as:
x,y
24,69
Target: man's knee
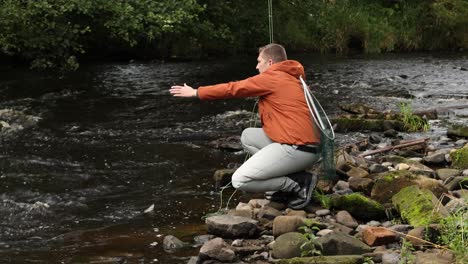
x,y
236,180
245,136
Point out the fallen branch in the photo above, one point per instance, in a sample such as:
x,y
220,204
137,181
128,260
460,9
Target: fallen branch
x,y
402,145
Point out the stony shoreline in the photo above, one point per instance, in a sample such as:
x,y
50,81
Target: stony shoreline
x,y
385,208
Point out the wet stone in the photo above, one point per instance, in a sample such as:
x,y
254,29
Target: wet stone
x,y
390,258
217,249
377,168
231,226
345,218
322,212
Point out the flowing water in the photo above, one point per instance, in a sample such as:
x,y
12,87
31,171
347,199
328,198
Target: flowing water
x,y
112,142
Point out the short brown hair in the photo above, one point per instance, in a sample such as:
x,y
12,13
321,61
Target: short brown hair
x,y
273,51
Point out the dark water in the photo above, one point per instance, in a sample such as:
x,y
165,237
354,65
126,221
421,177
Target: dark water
x,y
112,142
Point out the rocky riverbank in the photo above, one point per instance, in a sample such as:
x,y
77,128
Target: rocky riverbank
x,y
388,205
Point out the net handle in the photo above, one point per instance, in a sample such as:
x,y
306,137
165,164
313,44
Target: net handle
x,y
309,98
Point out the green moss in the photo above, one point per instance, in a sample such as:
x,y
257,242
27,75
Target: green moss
x,y
416,206
460,158
358,205
388,184
391,176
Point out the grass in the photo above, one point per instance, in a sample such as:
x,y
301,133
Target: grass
x,y
412,122
454,233
323,199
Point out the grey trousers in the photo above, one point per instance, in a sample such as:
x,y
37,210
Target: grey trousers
x,y
266,169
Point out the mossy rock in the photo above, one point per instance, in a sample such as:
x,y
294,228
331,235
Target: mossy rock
x,y
359,206
344,124
344,259
457,131
388,184
418,207
288,245
460,158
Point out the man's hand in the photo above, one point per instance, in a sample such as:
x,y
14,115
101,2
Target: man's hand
x,y
183,91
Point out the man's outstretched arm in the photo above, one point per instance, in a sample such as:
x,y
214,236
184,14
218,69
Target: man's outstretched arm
x,y
183,91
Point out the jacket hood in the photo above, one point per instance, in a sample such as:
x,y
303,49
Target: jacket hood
x,y
291,67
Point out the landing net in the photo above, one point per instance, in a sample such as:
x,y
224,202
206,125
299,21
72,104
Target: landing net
x,y
327,135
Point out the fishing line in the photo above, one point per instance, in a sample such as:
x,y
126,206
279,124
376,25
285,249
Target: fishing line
x,y
270,19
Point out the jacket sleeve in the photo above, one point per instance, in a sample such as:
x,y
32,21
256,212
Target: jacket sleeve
x,y
255,86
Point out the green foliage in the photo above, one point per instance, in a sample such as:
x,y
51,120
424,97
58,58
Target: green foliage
x,y
324,200
454,233
56,33
412,122
460,158
51,33
311,247
368,260
407,256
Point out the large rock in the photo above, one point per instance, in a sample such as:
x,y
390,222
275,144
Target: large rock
x,y
288,245
436,158
346,219
361,184
357,172
457,131
344,161
445,173
388,184
460,158
337,243
217,249
286,224
418,207
231,226
344,259
359,206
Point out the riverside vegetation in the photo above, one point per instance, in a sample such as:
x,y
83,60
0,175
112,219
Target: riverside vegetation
x,y
56,34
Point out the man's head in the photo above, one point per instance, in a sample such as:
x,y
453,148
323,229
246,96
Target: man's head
x,y
270,54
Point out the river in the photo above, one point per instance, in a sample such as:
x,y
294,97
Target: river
x,y
112,142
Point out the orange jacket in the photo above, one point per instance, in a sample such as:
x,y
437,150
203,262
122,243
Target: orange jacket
x,y
282,106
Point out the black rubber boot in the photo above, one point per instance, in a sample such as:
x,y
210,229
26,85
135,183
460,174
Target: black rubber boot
x,y
304,195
